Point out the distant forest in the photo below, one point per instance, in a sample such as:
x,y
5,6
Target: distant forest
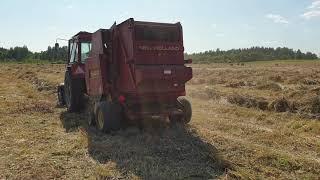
x,y
250,54
234,55
23,53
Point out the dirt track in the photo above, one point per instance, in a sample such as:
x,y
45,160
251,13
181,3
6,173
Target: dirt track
x,y
40,141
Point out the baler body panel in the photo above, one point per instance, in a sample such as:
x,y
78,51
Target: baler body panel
x,y
151,68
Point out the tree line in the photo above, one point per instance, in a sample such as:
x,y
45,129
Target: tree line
x,y
16,53
233,55
23,53
250,54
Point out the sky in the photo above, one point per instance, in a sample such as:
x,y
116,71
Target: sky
x,y
207,24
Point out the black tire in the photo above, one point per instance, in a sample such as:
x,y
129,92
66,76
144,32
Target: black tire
x,y
60,93
91,113
185,106
108,116
91,120
73,93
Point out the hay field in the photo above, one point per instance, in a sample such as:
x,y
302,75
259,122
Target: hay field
x,y
250,121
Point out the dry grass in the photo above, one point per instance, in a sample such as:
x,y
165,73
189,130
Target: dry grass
x,y
235,132
243,122
41,141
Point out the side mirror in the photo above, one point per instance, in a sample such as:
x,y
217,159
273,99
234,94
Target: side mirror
x,y
188,61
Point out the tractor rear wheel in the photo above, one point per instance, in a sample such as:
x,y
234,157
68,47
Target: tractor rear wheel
x,y
61,98
185,105
73,93
108,116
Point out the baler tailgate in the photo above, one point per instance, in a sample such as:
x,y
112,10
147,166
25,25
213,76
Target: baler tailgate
x,y
162,78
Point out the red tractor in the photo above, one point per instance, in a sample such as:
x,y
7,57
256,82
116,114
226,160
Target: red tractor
x,y
134,70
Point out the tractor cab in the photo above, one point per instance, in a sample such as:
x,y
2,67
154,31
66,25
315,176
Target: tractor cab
x,y
78,51
79,47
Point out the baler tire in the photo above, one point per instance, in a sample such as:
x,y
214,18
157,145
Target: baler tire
x,y
186,108
91,120
73,93
60,94
108,116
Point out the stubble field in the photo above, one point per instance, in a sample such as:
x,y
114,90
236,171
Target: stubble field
x,y
253,120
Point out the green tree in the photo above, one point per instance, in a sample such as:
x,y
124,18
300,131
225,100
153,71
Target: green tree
x,y
299,54
250,54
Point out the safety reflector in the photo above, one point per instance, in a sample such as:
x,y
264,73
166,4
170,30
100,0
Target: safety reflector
x,y
79,70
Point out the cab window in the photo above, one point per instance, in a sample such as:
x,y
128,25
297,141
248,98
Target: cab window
x,y
85,50
73,52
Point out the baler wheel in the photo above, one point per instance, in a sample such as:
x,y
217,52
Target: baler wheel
x,y
92,119
73,93
108,116
185,105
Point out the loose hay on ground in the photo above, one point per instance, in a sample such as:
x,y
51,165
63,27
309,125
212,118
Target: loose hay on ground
x,y
270,86
248,102
281,105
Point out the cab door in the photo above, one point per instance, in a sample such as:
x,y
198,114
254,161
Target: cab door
x,y
78,54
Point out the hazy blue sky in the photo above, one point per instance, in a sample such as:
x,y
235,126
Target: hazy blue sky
x,y
207,24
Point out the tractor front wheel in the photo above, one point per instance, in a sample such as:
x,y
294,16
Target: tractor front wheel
x,y
108,116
